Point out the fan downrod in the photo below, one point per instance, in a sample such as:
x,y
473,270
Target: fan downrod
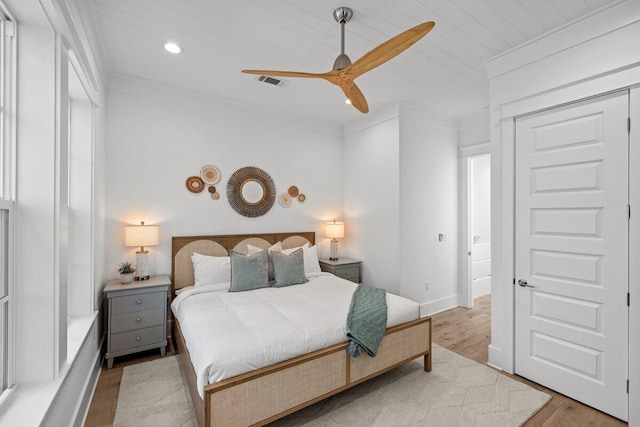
x,y
342,15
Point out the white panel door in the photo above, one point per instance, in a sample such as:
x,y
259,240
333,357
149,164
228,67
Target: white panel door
x,y
480,269
572,179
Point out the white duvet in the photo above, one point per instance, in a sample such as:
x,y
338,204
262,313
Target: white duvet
x,y
230,333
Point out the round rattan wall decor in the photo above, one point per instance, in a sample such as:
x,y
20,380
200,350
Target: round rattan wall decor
x,y
251,192
195,184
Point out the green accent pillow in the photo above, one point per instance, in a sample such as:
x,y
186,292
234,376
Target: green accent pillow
x,y
288,269
249,272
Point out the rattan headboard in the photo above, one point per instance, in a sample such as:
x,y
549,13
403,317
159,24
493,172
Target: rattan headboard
x,y
183,247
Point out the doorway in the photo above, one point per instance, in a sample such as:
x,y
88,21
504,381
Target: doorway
x,y
476,225
480,216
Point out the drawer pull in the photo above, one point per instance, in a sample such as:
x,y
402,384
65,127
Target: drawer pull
x,y
139,302
138,338
347,274
138,319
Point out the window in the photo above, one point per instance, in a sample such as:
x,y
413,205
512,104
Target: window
x,y
6,243
80,254
80,180
7,185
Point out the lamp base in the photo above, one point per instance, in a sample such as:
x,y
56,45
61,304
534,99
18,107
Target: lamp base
x,y
142,266
334,250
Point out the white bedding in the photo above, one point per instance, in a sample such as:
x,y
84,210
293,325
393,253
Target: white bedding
x,y
230,333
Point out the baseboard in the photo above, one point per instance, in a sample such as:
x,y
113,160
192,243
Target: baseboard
x,y
481,287
495,357
442,304
482,294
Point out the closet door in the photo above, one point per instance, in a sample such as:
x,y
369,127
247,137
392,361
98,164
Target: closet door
x,y
572,262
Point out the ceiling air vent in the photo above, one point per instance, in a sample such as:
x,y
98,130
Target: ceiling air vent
x,y
273,81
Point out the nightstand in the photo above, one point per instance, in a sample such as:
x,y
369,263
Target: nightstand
x,y
136,316
345,268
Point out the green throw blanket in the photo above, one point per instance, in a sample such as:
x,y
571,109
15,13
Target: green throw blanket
x,y
367,320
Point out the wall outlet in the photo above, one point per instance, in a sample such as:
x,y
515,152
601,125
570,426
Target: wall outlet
x,y
441,237
426,286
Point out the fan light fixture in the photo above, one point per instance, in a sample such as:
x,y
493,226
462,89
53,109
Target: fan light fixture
x,y
172,47
344,72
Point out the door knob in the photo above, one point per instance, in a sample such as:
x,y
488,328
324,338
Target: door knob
x,y
524,284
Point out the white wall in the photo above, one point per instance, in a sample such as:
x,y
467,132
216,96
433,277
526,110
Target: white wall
x,y
371,198
157,137
553,70
473,130
400,180
428,207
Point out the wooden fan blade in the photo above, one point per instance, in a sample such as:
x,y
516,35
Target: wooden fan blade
x,y
355,95
326,76
387,50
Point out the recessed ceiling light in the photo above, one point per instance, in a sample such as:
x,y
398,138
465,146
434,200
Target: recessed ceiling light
x,y
172,47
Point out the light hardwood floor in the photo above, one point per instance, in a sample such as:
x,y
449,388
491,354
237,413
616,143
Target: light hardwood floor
x,y
465,331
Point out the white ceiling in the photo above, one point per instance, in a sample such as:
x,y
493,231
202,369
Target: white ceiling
x,y
443,72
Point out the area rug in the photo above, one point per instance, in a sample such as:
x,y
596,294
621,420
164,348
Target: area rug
x,y
457,392
154,394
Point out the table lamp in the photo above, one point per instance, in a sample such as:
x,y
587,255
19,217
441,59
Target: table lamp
x,y
141,235
334,230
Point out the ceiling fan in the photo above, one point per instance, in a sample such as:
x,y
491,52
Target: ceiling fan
x,y
344,72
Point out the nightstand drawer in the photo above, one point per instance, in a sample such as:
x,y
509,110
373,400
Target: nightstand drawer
x,y
349,273
136,320
140,302
137,338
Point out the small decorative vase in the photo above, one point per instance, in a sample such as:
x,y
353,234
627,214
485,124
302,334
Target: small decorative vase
x,y
126,278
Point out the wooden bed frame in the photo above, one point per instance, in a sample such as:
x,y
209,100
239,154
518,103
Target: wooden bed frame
x,y
265,395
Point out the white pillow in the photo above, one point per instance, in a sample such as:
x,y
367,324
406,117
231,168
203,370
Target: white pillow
x,y
276,247
311,264
208,270
290,250
310,253
186,288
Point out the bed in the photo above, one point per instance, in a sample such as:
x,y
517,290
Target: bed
x,y
263,388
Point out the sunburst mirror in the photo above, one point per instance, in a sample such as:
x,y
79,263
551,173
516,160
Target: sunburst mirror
x,y
251,192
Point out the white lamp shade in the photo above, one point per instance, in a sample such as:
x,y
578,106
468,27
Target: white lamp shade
x,y
334,230
141,235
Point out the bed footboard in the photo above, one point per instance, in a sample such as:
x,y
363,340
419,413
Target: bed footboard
x,y
250,400
264,395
